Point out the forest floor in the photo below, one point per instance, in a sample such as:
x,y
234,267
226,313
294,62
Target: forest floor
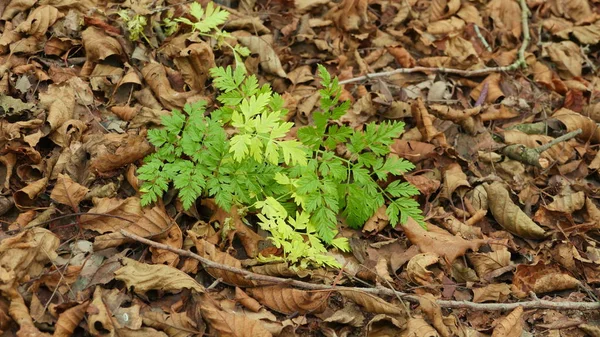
x,y
501,103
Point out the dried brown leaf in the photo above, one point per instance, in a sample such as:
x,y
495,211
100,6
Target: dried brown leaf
x,y
445,245
175,324
68,192
25,254
70,319
567,58
289,300
542,278
229,324
434,313
247,301
145,277
497,292
509,215
39,20
25,197
209,251
573,121
568,203
416,268
417,326
372,303
485,263
263,46
454,179
511,325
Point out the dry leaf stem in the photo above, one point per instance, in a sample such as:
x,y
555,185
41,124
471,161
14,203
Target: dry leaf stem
x,y
531,156
535,304
519,63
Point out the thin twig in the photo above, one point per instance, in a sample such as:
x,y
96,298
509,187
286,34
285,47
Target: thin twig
x,y
557,140
520,62
264,279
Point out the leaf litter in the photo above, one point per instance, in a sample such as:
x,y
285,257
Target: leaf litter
x,y
488,93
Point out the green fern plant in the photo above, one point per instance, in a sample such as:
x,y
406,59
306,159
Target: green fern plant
x,y
299,188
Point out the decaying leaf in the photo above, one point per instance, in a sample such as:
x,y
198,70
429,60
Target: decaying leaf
x,y
144,277
372,303
497,292
436,241
68,192
511,325
288,300
509,215
209,251
542,278
417,268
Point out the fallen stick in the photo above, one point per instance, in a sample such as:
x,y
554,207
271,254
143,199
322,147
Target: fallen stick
x,y
536,304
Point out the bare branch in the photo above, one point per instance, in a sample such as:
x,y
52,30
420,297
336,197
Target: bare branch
x,y
266,279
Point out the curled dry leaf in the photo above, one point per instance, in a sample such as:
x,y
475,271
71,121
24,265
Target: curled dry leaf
x,y
454,179
288,300
507,19
494,91
509,215
542,278
98,45
70,319
130,149
443,8
59,101
250,240
511,325
145,277
25,254
173,238
455,226
417,326
156,77
25,197
350,314
68,192
247,301
230,324
39,20
350,15
445,245
485,263
573,121
377,222
373,303
417,268
424,120
194,63
262,45
175,324
434,312
567,203
209,251
567,57
497,292
124,214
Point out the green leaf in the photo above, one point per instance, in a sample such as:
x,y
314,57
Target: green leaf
x,y
293,152
395,166
174,122
239,146
326,222
401,189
